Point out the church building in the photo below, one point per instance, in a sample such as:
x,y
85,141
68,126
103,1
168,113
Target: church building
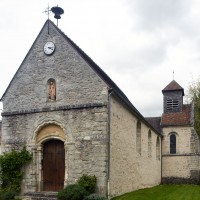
x,y
75,120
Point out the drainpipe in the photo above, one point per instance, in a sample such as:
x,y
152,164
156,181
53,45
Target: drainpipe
x,y
110,91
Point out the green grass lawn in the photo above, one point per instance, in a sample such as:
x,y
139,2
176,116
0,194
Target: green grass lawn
x,y
164,192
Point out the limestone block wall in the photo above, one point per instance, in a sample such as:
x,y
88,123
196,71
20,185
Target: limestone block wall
x,y
181,169
80,109
183,139
183,166
76,82
129,170
85,146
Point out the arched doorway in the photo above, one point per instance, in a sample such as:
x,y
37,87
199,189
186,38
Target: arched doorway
x,y
53,165
50,157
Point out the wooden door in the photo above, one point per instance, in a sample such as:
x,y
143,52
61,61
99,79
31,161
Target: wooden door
x,y
53,165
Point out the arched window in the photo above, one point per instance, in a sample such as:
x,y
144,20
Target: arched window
x,y
172,143
138,137
149,144
158,148
51,89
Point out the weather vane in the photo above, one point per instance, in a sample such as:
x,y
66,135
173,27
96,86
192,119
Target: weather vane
x,y
56,10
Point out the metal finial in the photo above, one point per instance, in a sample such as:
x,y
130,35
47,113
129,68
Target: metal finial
x,y
173,74
47,11
57,11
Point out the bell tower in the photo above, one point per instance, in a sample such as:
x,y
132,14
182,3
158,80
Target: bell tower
x,y
173,97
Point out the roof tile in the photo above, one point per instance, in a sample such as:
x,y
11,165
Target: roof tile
x,y
178,118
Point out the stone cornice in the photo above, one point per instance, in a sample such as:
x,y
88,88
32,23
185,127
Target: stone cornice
x,y
51,109
183,154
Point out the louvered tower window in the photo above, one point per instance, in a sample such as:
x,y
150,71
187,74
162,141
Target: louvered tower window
x,y
172,104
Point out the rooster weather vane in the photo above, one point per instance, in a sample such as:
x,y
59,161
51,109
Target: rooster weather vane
x,y
58,11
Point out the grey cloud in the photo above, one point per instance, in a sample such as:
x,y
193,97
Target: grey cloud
x,y
152,55
132,60
154,14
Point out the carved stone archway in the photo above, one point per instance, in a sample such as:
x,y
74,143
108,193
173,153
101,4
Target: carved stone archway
x,y
44,134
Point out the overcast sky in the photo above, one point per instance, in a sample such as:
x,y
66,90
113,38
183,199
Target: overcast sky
x,y
138,43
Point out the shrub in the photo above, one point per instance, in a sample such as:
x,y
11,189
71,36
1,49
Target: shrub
x,y
95,197
8,195
62,194
88,182
72,192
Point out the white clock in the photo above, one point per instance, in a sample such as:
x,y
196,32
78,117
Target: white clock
x,y
49,48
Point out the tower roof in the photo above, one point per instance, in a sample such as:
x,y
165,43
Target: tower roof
x,y
173,86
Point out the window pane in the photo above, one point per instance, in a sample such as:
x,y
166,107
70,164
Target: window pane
x,y
173,144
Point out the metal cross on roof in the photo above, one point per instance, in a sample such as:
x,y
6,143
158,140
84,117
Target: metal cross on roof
x,y
47,11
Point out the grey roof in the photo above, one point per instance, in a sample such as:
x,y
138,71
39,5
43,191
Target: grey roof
x,y
155,122
173,86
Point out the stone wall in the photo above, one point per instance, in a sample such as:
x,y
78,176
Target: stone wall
x,y
80,110
76,82
85,146
128,170
184,166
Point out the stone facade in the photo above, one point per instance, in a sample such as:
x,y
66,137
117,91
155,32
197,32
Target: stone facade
x,y
78,117
183,166
76,82
84,134
66,97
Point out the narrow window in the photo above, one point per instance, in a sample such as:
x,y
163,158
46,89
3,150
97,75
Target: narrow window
x,y
138,137
158,148
149,144
51,89
172,144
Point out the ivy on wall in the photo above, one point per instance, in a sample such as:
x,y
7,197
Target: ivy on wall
x,y
11,173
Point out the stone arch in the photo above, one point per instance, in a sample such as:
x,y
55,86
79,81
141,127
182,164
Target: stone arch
x,y
48,132
45,132
44,124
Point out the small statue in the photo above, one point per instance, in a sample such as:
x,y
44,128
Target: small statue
x,y
52,91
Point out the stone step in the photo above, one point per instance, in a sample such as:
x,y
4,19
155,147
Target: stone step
x,y
39,196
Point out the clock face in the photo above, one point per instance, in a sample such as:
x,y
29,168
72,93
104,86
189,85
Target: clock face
x,y
49,48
